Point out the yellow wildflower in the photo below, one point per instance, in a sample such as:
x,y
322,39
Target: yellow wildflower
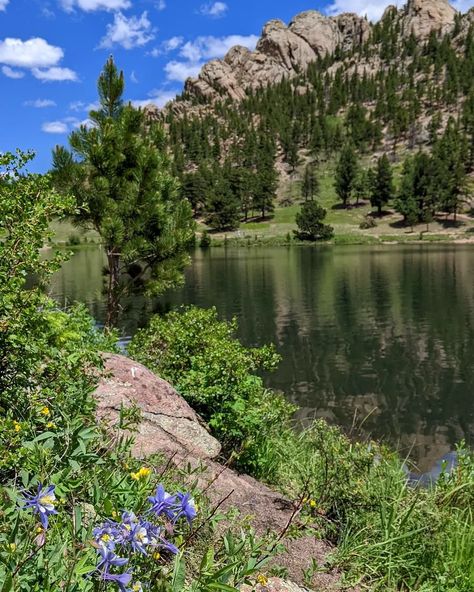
x,y
45,411
39,529
156,555
12,547
262,580
114,514
312,503
17,426
143,473
50,425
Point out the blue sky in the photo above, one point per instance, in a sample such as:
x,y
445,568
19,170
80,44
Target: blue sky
x,y
52,51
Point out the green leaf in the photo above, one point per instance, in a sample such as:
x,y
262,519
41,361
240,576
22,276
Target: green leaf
x,y
179,574
8,584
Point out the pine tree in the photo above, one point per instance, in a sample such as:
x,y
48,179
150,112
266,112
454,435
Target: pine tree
x,y
382,190
361,186
346,172
123,190
310,185
266,181
223,208
310,223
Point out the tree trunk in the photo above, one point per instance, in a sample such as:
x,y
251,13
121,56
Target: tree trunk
x,y
113,304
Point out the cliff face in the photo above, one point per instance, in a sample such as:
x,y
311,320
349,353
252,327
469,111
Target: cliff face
x,y
284,51
420,17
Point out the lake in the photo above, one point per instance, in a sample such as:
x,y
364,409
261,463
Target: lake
x,y
377,339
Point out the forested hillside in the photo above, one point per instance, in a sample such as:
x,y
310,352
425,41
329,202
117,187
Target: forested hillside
x,y
399,95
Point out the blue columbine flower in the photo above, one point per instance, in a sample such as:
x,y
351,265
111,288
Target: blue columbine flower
x,y
163,503
108,534
41,503
109,559
122,580
186,507
139,537
164,544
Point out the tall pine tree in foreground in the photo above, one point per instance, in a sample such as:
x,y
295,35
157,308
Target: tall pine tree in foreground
x,y
118,173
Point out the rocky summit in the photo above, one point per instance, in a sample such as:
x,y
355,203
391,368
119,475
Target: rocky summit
x,y
284,51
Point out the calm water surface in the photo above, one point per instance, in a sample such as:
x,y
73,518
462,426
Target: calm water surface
x,y
381,338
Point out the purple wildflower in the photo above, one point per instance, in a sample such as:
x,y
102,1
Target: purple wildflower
x,y
41,503
109,559
108,534
163,503
186,507
164,544
139,537
122,580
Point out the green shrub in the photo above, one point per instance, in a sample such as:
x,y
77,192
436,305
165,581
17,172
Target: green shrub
x,y
368,222
218,376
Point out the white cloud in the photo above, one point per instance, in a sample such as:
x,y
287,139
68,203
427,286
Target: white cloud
x,y
207,48
181,71
128,32
133,77
36,55
214,9
158,97
11,73
80,106
65,125
54,74
167,46
93,5
204,48
40,103
161,5
373,9
55,127
33,53
3,4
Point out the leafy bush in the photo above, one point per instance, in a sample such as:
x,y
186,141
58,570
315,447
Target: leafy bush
x,y
201,357
368,222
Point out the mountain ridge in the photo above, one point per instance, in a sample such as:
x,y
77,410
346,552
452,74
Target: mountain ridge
x,y
284,51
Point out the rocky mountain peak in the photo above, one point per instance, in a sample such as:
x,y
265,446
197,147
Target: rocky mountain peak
x,y
420,17
284,51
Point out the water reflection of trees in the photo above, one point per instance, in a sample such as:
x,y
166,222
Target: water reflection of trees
x,y
385,328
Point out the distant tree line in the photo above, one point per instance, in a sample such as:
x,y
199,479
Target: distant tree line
x,y
226,156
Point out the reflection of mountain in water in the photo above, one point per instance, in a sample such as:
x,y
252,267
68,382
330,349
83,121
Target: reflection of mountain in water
x,y
385,333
